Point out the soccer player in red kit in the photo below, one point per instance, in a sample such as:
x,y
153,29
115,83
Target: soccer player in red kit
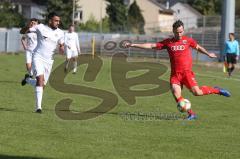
x,y
179,50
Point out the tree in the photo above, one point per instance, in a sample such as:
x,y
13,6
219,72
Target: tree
x,y
41,2
92,25
63,8
237,7
209,7
105,25
135,19
116,11
9,17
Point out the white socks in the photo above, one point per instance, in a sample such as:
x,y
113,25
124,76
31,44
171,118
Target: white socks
x,y
31,81
30,72
75,66
38,96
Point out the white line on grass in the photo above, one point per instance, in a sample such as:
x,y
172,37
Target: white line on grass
x,y
222,78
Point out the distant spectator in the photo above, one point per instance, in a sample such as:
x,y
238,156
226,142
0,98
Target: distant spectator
x,y
72,48
231,52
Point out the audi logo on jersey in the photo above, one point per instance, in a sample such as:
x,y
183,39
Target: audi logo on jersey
x,y
178,48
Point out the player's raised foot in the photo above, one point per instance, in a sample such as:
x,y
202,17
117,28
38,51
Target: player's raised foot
x,y
192,117
223,92
39,111
23,83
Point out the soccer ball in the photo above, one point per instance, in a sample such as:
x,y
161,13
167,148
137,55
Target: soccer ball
x,y
184,105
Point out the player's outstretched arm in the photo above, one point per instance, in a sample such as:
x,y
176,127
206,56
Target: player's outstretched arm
x,y
141,46
204,51
238,51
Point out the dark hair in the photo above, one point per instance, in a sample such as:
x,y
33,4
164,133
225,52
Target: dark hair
x,y
232,34
34,19
177,24
52,14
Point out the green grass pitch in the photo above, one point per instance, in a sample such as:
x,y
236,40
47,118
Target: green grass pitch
x,y
116,134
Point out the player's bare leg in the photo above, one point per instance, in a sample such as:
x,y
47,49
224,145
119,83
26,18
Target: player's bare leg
x,y
66,64
176,91
205,90
196,91
177,94
39,93
29,69
230,69
29,75
233,67
74,64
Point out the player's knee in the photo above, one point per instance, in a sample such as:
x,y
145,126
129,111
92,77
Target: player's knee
x,y
40,81
196,92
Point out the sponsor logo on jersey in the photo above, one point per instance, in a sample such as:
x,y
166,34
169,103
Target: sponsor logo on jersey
x,y
178,48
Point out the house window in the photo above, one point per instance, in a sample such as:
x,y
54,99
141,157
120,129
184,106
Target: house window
x,y
78,16
178,11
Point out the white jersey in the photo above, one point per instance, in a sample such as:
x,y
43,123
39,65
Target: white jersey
x,y
47,41
71,41
31,41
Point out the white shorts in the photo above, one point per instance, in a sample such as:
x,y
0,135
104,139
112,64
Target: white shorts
x,y
42,67
29,56
71,53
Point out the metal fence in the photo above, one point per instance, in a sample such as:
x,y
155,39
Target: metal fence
x,y
10,41
207,34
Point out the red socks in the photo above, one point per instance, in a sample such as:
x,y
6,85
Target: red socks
x,y
179,99
209,90
190,112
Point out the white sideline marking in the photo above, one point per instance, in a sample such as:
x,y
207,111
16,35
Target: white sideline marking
x,y
223,78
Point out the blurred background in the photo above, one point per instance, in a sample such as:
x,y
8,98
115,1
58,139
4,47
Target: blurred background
x,y
104,24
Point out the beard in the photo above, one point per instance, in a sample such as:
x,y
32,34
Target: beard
x,y
54,27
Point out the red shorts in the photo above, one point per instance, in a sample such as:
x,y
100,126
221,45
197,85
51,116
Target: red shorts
x,y
186,78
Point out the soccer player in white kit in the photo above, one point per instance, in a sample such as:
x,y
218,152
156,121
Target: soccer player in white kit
x,y
48,38
72,48
29,43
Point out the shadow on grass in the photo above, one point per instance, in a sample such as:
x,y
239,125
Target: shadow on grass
x,y
7,109
10,82
14,110
19,157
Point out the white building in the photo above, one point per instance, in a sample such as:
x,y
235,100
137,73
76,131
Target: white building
x,y
28,9
90,8
187,14
157,17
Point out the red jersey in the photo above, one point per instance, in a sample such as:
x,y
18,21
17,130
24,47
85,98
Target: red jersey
x,y
179,52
